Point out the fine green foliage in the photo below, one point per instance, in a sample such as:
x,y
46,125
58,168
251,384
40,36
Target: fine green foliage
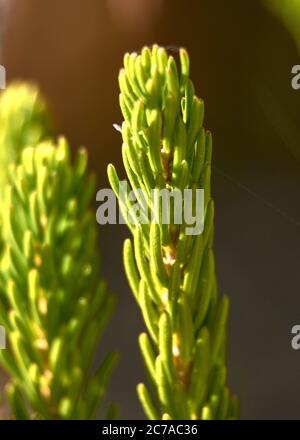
x,y
24,121
52,304
171,274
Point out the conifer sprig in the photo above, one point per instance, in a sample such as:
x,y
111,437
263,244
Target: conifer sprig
x,y
171,274
52,304
24,121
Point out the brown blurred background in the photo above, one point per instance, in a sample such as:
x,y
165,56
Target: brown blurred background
x,y
241,63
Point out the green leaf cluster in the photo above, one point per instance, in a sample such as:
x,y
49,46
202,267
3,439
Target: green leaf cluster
x,y
171,274
53,304
24,121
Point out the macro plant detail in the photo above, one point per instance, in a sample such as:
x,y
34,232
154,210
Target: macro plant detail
x,y
24,120
149,167
53,305
172,274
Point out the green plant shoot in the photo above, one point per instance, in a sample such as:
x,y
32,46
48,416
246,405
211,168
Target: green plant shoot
x,y
172,274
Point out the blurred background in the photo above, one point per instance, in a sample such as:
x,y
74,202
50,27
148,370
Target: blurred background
x,y
242,53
